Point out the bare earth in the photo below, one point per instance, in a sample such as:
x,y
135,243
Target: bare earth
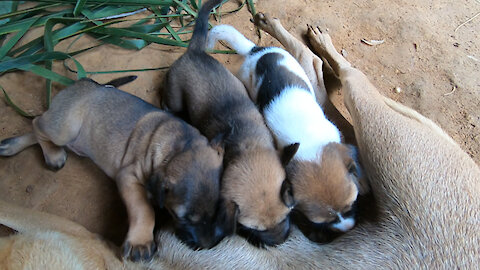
x,y
423,63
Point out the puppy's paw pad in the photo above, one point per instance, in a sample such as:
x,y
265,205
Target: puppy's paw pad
x,y
138,253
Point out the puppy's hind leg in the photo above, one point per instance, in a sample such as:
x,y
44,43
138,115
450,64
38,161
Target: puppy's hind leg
x,y
12,146
52,134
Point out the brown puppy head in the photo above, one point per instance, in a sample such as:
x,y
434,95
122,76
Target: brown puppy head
x,y
255,185
188,186
326,189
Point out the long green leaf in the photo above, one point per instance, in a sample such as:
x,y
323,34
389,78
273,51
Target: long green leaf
x,y
146,37
79,7
15,63
15,107
18,25
115,2
21,12
47,74
9,45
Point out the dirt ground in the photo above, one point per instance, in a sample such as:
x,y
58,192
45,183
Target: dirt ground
x,y
423,63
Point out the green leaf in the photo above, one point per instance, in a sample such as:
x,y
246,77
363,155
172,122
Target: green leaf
x,y
47,74
79,7
172,32
115,2
9,45
5,8
21,12
15,107
109,11
15,63
129,44
146,37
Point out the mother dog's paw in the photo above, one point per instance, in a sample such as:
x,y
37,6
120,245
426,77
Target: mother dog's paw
x,y
138,252
266,23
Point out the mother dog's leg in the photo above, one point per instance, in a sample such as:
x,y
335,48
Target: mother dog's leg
x,y
312,65
430,185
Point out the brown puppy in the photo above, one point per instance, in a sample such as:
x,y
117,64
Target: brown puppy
x,y
425,186
217,103
138,145
324,172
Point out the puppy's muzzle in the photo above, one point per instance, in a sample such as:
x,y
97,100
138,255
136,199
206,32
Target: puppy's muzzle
x,y
199,236
270,237
324,232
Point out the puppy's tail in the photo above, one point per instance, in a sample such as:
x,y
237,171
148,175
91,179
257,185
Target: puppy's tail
x,y
199,37
25,220
231,35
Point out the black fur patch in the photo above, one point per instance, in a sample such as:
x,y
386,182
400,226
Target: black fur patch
x,y
257,49
270,237
275,79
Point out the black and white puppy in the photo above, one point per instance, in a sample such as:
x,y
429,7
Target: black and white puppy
x,y
323,172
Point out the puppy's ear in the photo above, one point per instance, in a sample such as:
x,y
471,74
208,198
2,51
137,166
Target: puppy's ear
x,y
218,143
354,167
287,193
227,216
288,153
157,187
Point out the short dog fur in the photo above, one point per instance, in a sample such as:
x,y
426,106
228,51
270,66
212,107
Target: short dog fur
x,y
254,183
425,186
139,146
45,241
323,171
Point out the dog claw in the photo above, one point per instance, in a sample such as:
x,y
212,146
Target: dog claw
x,y
138,253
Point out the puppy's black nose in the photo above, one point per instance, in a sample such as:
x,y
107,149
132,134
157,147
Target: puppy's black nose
x,y
270,237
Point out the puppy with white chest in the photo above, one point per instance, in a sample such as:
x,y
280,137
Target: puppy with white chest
x,y
323,171
254,186
141,147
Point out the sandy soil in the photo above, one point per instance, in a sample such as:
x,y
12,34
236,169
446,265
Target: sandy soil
x,y
435,68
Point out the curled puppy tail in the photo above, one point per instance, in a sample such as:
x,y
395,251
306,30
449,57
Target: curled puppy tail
x,y
231,35
200,32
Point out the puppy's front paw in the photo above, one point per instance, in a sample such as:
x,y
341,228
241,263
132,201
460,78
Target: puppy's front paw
x,y
55,160
138,252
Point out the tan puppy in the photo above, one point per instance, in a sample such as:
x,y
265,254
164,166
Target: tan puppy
x,y
217,103
324,172
138,145
426,190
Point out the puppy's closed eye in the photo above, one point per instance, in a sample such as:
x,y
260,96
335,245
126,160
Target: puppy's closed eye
x,y
352,168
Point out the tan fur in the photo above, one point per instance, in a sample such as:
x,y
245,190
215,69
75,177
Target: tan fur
x,y
45,241
324,187
426,191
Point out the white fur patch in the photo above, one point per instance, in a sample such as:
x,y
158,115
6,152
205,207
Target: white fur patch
x,y
231,35
344,224
295,116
